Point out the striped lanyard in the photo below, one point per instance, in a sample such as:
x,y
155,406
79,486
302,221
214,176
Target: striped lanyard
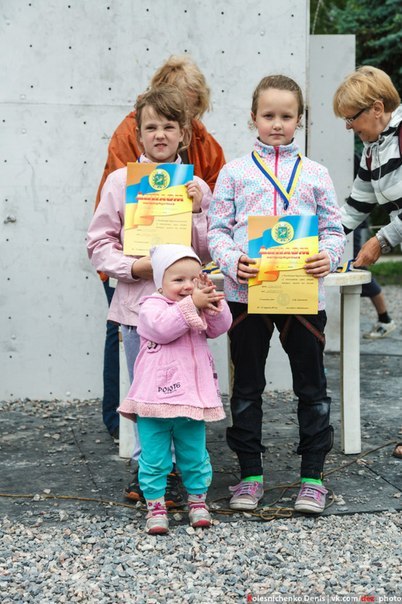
x,y
287,193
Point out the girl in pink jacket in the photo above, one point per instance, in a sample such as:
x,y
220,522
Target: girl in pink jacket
x,y
175,389
163,130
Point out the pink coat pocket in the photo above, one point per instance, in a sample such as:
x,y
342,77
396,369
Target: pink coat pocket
x,y
169,381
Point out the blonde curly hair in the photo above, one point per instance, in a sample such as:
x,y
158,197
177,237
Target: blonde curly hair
x,y
181,71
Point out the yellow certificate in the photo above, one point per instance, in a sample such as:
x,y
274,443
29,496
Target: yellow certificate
x,y
158,209
280,246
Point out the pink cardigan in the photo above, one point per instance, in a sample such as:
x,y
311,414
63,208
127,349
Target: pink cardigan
x,y
174,373
105,245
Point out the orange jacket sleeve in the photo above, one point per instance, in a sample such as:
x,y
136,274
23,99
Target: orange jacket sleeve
x,y
205,153
123,147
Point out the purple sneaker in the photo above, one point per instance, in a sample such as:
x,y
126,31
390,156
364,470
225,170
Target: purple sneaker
x,y
311,498
246,495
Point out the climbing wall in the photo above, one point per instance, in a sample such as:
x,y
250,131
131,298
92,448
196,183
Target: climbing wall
x,y
71,71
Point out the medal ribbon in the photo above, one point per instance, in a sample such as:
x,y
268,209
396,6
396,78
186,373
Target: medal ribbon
x,y
287,193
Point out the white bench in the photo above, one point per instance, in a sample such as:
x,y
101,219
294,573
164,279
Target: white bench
x,y
350,285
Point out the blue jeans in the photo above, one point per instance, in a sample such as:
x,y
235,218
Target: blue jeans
x,y
111,370
155,462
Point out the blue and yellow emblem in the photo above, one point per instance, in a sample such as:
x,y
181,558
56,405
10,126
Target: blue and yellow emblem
x,y
282,232
159,179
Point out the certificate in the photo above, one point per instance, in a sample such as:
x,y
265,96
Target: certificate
x,y
158,209
280,246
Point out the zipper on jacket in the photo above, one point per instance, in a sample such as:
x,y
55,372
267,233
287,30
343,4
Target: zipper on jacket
x,y
276,174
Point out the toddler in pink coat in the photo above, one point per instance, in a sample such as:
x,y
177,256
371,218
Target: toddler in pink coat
x,y
175,389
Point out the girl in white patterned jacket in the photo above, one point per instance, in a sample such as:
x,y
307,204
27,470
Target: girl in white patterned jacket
x,y
255,185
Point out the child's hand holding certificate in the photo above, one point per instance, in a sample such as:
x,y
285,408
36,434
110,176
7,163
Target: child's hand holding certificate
x,y
280,246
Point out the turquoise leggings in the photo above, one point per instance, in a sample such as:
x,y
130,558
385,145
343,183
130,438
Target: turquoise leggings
x,y
155,461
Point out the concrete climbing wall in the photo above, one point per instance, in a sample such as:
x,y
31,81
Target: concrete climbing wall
x,y
71,71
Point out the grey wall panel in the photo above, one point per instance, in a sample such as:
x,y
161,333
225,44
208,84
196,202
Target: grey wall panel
x,y
70,72
329,143
331,59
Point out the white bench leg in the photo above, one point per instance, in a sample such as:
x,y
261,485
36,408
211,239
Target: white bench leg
x,y
350,369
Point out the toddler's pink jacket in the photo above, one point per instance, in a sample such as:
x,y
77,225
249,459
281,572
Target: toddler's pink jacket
x,y
174,373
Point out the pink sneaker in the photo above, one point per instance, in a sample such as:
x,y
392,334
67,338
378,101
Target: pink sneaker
x,y
311,498
157,525
246,495
199,516
157,521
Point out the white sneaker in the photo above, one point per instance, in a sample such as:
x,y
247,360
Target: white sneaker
x,y
380,330
199,516
157,523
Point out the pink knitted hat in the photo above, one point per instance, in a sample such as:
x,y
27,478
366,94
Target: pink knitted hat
x,y
163,256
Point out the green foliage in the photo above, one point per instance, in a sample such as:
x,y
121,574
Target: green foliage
x,y
388,273
321,19
377,26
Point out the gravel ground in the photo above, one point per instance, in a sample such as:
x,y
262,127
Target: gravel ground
x,y
104,560
107,559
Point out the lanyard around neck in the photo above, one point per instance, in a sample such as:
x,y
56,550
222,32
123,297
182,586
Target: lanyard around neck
x,y
287,193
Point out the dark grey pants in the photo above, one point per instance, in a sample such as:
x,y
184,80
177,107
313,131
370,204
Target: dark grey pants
x,y
249,344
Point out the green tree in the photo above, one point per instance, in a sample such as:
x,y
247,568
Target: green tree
x,y
377,26
321,21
